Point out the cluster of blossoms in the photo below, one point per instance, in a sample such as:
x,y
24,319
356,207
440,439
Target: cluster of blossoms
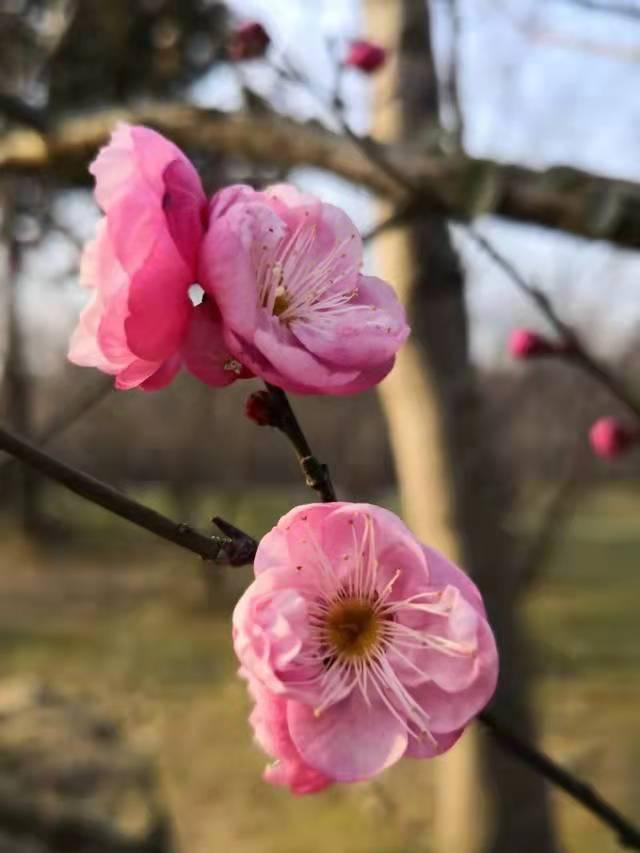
x,y
359,644
609,437
284,298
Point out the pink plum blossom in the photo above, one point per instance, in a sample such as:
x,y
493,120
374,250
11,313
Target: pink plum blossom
x,y
284,300
140,324
284,271
360,646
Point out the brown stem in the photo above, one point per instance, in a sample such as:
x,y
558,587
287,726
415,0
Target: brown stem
x,y
628,835
316,473
575,351
234,551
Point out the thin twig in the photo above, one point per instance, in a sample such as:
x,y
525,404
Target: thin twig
x,y
628,835
555,516
574,351
316,473
73,411
236,551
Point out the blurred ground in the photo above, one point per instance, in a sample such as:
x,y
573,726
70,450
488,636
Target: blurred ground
x,y
123,620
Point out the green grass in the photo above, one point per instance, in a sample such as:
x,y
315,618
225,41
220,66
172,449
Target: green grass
x,y
117,617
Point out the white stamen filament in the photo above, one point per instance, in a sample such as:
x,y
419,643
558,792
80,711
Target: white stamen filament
x,y
296,287
358,658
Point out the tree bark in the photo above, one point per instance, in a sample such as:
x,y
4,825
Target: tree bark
x,y
23,483
455,489
456,186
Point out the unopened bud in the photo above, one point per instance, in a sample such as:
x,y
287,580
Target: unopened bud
x,y
524,343
365,56
610,438
259,408
248,41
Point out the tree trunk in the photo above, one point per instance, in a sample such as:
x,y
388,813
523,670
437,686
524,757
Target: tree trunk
x,y
24,485
454,488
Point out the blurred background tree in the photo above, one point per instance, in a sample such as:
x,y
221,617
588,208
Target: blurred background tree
x,y
483,453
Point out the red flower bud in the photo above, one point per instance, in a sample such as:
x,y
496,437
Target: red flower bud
x,y
610,438
365,56
526,344
258,408
248,41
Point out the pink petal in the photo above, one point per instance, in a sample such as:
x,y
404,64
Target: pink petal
x,y
349,741
204,351
283,196
185,209
159,305
137,373
426,748
453,672
291,363
223,199
228,262
452,710
163,375
369,333
443,572
83,347
154,204
269,722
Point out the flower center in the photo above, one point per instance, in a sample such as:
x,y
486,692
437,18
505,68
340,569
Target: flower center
x,y
281,302
353,628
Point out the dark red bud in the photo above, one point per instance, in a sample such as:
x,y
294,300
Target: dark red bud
x,y
258,408
365,56
248,41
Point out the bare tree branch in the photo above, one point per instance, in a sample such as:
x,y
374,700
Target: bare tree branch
x,y
65,418
18,111
575,351
454,186
283,418
234,551
628,835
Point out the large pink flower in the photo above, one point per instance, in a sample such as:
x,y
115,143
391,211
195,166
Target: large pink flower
x,y
284,270
284,297
140,324
360,646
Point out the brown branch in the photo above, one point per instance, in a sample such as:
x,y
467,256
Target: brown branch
x,y
234,551
20,112
628,835
574,351
555,516
67,417
455,186
283,418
